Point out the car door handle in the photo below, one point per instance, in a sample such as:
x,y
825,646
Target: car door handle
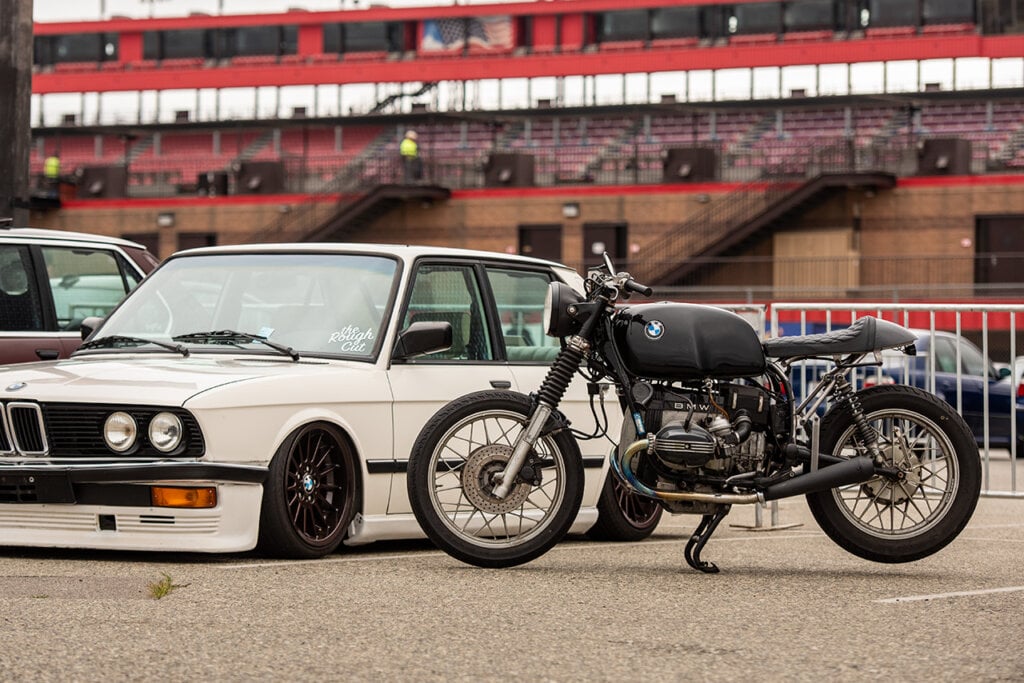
x,y
501,384
47,354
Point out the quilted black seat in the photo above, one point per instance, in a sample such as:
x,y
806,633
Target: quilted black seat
x,y
863,336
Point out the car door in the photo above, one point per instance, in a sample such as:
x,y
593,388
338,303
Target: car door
x,y
23,328
518,295
83,282
448,291
976,379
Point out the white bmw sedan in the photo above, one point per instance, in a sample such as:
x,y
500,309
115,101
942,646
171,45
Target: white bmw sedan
x,y
270,395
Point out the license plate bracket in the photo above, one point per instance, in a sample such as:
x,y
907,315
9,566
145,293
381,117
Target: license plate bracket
x,y
36,488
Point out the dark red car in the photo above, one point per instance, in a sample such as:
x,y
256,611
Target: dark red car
x,y
51,280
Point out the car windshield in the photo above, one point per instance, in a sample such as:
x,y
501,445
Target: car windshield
x,y
314,304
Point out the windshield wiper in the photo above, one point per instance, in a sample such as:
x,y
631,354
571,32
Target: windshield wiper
x,y
119,339
233,337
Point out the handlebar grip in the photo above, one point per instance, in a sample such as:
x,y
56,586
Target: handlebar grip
x,y
635,286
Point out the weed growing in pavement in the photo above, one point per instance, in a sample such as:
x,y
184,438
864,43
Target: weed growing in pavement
x,y
163,587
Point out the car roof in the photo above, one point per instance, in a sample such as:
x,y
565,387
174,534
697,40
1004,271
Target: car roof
x,y
42,235
405,251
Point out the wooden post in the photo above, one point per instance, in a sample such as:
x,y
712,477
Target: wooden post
x,y
15,106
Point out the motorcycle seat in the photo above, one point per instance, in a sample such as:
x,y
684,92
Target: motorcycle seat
x,y
865,335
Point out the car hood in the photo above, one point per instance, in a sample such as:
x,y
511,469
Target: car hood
x,y
154,380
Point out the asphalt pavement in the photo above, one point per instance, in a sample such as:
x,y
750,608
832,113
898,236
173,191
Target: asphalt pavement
x,y
789,605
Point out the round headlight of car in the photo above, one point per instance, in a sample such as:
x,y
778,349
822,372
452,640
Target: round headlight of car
x,y
120,431
558,322
165,431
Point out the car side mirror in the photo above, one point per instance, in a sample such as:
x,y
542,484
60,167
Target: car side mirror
x,y
89,326
1003,373
421,338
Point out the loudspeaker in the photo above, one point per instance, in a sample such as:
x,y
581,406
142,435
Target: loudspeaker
x,y
101,182
689,164
259,177
944,156
508,170
212,184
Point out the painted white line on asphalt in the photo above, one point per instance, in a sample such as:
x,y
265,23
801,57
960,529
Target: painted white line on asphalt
x,y
992,540
1018,525
955,594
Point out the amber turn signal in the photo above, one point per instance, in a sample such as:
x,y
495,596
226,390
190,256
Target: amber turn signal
x,y
177,497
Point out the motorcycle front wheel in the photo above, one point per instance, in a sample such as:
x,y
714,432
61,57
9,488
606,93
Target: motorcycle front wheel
x,y
901,520
450,482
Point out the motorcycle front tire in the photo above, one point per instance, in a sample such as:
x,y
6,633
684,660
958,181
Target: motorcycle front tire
x,y
450,481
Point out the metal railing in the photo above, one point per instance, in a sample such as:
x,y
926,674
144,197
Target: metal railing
x,y
982,322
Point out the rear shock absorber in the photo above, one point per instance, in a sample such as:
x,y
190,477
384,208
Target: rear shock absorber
x,y
844,392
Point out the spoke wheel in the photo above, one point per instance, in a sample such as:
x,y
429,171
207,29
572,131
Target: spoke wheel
x,y
309,498
899,519
453,474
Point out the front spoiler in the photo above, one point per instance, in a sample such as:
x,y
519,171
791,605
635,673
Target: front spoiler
x,y
142,472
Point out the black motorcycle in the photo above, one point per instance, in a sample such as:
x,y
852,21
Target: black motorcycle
x,y
891,473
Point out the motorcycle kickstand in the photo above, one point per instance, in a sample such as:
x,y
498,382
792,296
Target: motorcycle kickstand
x,y
700,537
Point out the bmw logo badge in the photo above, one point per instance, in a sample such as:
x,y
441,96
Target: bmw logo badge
x,y
654,329
16,386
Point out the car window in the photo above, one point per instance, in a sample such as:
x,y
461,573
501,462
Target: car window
x,y
945,355
315,303
519,298
450,293
973,361
85,282
20,304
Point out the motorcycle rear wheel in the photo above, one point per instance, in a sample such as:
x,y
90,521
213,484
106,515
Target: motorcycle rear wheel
x,y
900,521
450,487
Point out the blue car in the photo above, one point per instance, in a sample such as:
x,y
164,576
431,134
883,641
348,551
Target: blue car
x,y
977,375
962,382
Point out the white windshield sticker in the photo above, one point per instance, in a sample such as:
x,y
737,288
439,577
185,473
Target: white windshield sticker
x,y
353,339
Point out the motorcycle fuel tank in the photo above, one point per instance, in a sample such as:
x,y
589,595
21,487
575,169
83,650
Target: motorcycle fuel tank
x,y
687,342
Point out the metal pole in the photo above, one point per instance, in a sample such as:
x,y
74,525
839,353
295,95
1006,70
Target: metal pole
x,y
15,107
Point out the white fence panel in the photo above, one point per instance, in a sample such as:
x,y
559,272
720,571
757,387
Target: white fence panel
x,y
949,364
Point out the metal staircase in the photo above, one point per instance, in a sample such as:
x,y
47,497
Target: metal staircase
x,y
731,219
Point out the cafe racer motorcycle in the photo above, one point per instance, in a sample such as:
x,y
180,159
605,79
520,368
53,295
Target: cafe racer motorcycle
x,y
891,473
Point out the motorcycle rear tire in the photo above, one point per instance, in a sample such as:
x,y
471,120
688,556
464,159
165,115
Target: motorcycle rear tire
x,y
892,522
449,482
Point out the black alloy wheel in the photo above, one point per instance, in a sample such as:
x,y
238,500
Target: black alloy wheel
x,y
309,498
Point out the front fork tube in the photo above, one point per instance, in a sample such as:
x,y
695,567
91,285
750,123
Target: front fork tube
x,y
548,397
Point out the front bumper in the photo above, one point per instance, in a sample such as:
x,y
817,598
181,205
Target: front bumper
x,y
109,507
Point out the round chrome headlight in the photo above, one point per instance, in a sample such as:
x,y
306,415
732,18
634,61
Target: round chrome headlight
x,y
558,322
120,431
165,432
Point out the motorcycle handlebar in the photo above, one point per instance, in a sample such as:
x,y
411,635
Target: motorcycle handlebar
x,y
634,286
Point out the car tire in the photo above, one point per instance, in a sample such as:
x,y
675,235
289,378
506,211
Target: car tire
x,y
623,515
309,497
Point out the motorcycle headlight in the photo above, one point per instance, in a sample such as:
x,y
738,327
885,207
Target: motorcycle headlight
x,y
558,322
165,432
120,432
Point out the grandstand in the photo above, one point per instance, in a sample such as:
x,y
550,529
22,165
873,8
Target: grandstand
x,y
699,141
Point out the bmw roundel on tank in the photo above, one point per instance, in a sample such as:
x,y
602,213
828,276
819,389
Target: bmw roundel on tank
x,y
269,396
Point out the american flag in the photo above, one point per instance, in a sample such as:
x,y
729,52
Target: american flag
x,y
450,34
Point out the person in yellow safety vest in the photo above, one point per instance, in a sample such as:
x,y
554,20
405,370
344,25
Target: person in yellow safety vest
x,y
411,165
51,174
